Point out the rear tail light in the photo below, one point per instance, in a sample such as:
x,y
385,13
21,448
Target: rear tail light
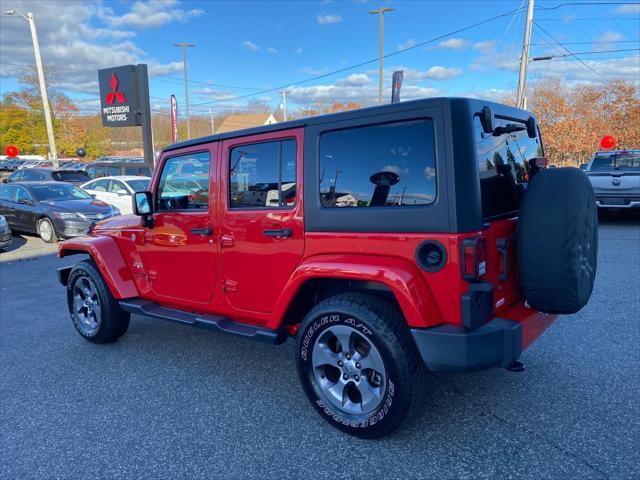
x,y
474,258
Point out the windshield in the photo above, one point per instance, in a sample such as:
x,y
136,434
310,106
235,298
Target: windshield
x,y
63,191
70,176
138,185
627,161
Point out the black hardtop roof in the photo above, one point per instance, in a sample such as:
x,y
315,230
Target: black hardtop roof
x,y
29,183
51,169
346,115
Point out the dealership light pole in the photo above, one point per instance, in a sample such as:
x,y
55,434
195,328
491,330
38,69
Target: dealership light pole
x,y
381,11
186,88
53,152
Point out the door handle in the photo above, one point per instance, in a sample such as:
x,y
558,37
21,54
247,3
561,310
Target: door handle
x,y
502,246
202,231
283,232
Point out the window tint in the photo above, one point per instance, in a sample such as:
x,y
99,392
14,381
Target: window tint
x,y
628,161
16,176
503,164
58,191
70,176
263,175
385,165
139,185
8,193
184,183
31,176
113,171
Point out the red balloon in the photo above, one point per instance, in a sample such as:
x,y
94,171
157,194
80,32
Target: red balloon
x,y
607,142
11,151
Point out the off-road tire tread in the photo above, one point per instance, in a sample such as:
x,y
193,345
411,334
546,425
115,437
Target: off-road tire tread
x,y
390,325
115,321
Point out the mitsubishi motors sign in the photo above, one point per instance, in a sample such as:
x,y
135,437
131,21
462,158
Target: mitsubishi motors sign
x,y
119,96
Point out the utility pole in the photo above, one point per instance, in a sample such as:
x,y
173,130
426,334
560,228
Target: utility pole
x,y
524,59
213,130
381,11
186,88
53,152
284,105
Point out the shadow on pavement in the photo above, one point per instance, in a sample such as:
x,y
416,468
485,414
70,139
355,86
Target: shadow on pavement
x,y
16,242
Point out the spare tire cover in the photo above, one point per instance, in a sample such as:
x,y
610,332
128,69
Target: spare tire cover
x,y
558,240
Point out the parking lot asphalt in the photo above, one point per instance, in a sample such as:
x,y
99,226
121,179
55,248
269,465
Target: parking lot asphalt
x,y
167,401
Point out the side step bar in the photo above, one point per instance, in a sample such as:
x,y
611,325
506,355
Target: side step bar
x,y
209,322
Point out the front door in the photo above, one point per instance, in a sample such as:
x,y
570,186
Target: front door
x,y
262,232
181,249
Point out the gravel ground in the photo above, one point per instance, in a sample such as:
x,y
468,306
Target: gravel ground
x,y
172,402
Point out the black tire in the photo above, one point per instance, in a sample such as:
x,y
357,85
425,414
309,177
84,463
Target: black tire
x,y
47,230
376,321
558,241
111,322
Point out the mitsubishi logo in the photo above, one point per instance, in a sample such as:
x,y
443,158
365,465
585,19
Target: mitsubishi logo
x,y
115,94
616,181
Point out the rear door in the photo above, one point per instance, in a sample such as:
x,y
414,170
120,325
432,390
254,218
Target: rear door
x,y
503,169
181,249
262,223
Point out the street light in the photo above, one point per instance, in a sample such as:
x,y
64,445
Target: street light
x,y
43,88
186,88
381,11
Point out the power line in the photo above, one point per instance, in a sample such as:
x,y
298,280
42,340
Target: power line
x,y
361,64
573,54
590,43
560,5
569,51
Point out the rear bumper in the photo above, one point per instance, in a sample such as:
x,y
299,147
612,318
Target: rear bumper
x,y
618,201
497,343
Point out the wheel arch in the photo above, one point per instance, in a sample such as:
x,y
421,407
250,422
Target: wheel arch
x,y
394,279
105,253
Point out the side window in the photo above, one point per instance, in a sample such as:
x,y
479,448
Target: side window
x,y
113,171
386,165
100,185
8,193
22,194
116,186
30,176
89,186
131,171
184,183
16,176
263,175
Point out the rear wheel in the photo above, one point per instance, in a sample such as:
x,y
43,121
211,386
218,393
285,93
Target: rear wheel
x,y
358,365
94,311
47,231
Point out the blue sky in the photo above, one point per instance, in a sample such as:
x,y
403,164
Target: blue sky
x,y
245,47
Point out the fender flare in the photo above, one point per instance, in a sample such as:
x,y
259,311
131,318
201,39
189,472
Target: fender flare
x,y
403,279
105,253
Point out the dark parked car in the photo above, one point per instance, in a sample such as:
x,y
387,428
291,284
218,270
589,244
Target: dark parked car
x,y
51,209
5,234
76,177
116,169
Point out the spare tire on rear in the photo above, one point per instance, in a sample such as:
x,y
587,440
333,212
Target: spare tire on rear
x,y
558,240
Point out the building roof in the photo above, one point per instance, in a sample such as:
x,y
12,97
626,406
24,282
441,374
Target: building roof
x,y
238,122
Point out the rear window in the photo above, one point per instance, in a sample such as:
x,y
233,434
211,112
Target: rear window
x,y
386,165
627,161
70,176
503,164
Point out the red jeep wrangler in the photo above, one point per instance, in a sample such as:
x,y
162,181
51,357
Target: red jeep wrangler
x,y
423,233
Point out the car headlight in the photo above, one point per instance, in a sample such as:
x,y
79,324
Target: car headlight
x,y
66,215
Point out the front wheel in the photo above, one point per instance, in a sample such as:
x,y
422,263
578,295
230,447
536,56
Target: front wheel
x,y
47,231
95,312
358,364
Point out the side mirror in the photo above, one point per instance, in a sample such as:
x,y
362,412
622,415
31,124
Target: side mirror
x,y
486,120
24,201
142,204
532,131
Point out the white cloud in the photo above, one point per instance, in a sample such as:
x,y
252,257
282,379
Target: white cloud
x,y
607,40
453,44
408,44
75,41
328,18
272,50
150,14
250,45
314,71
442,73
487,46
435,72
629,9
354,79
